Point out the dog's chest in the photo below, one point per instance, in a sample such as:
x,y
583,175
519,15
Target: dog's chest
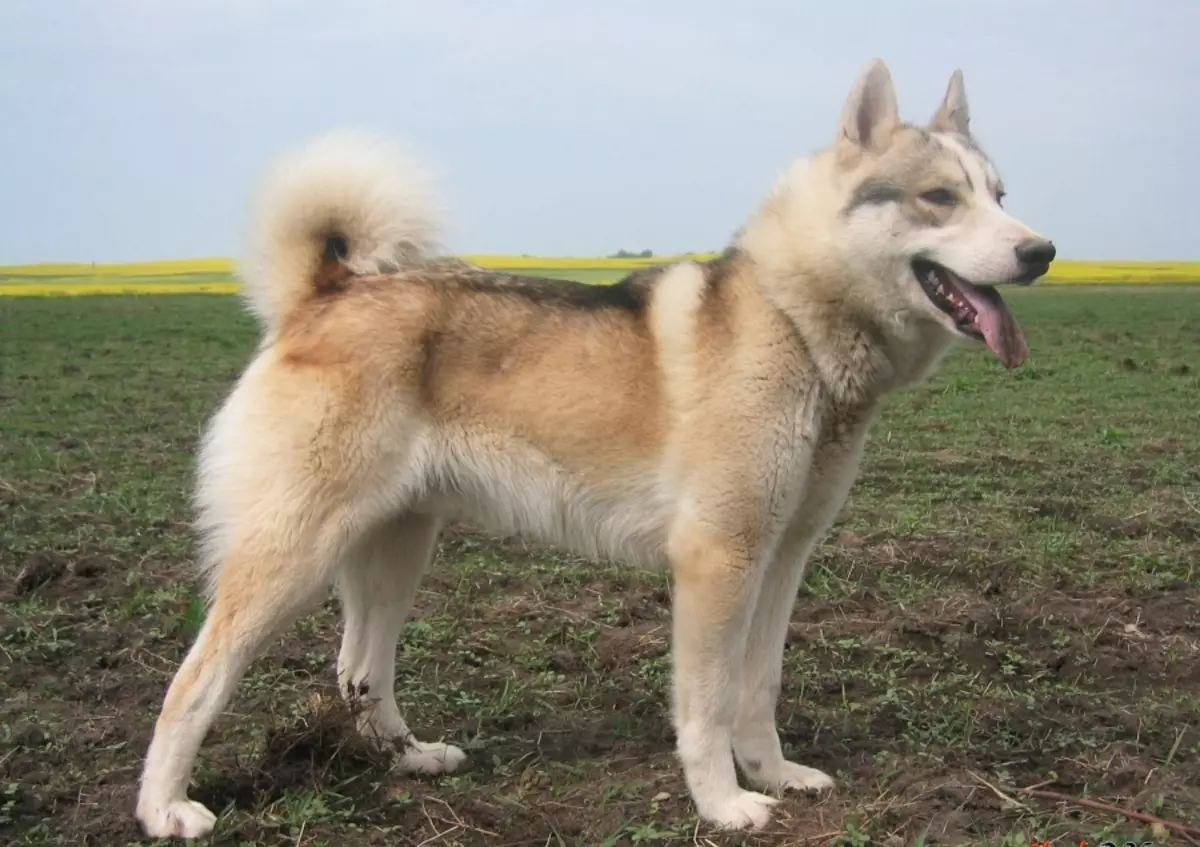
x,y
825,465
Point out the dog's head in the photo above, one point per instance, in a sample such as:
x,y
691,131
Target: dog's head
x,y
922,208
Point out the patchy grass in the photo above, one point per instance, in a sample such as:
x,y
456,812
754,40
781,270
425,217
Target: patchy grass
x,y
1011,597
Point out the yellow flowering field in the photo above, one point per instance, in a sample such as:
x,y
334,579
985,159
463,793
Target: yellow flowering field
x,y
169,267
1085,272
215,275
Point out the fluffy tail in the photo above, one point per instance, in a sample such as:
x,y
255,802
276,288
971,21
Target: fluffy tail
x,y
347,197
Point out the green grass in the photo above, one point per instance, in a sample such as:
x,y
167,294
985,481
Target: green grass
x,y
1011,596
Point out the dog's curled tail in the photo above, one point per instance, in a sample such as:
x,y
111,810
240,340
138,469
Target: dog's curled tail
x,y
348,200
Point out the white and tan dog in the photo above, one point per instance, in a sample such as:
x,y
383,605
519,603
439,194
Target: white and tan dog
x,y
709,415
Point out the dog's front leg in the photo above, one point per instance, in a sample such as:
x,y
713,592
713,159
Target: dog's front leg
x,y
755,739
716,583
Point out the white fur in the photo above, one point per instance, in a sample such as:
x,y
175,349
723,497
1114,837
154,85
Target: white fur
x,y
510,487
673,317
379,195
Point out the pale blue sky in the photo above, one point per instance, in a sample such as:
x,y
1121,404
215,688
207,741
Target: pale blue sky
x,y
134,129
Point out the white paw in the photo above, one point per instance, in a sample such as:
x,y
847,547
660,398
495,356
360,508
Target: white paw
x,y
178,818
794,777
787,776
742,810
430,758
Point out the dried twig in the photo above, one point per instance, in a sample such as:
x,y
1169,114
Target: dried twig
x,y
1188,832
997,791
1041,784
1175,746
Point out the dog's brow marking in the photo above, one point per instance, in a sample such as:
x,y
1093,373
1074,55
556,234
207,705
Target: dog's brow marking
x,y
968,143
874,193
949,145
968,151
966,174
993,177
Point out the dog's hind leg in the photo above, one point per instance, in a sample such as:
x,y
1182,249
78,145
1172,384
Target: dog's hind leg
x,y
260,590
377,582
755,739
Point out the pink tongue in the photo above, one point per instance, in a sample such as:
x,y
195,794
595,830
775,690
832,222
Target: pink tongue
x,y
996,322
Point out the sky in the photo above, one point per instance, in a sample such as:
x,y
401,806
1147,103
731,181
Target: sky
x,y
136,129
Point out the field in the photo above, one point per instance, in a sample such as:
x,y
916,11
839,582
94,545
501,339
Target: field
x,y
215,275
1010,599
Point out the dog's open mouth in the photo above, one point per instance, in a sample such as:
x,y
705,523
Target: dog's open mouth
x,y
978,311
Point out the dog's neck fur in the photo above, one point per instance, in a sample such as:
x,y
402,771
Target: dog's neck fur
x,y
863,348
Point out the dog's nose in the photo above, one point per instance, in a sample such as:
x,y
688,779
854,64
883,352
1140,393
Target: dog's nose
x,y
1036,251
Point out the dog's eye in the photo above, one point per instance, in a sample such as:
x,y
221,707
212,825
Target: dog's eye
x,y
1000,197
940,197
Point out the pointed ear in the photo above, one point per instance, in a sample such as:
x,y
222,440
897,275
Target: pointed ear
x,y
870,115
953,115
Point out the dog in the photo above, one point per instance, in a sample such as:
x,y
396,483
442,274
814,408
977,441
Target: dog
x,y
707,415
